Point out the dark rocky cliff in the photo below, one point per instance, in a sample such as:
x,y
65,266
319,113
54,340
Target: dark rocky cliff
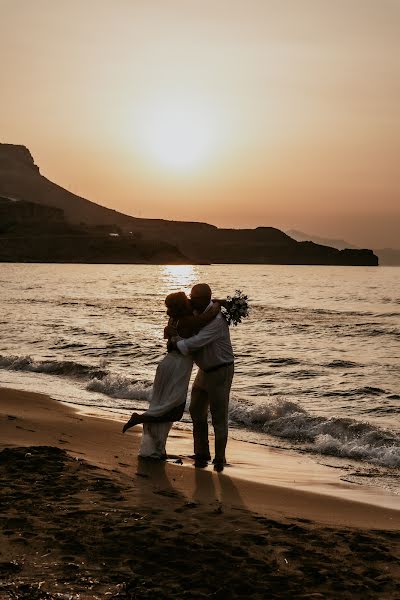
x,y
31,232
20,179
14,158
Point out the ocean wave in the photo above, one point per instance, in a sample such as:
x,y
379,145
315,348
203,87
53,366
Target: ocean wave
x,y
343,437
308,311
362,391
98,379
383,410
67,346
283,361
303,374
118,386
342,364
67,368
388,300
378,331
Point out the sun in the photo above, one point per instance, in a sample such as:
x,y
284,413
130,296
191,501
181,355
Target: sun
x,y
178,134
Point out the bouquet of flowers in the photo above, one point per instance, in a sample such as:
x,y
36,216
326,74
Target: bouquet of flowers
x,y
235,308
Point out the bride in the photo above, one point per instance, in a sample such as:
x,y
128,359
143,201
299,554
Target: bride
x,y
172,378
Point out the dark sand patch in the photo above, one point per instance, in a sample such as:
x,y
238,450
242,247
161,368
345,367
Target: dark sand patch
x,y
68,527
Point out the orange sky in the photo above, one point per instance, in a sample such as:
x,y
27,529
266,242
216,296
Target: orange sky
x,y
238,113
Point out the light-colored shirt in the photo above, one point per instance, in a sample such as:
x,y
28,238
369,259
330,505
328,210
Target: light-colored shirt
x,y
210,347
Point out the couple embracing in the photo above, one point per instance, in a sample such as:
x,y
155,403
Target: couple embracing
x,y
197,332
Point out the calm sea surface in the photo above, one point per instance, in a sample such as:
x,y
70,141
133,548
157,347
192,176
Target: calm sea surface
x,y
318,361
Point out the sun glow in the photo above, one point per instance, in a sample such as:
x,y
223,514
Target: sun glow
x,y
178,134
179,277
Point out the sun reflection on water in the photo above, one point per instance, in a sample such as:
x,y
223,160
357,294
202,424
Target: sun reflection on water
x,y
179,278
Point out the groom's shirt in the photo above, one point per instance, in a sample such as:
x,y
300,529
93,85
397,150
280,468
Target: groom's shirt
x,y
211,347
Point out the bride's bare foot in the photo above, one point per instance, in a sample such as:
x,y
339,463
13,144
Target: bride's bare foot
x,y
134,420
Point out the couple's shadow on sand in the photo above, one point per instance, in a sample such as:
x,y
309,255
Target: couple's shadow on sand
x,y
188,484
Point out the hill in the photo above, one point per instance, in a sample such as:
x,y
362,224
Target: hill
x,y
386,256
20,179
300,236
31,232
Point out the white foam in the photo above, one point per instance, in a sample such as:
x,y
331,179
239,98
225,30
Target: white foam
x,y
326,435
342,437
52,367
117,386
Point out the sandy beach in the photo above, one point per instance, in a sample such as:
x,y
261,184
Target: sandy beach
x,y
82,517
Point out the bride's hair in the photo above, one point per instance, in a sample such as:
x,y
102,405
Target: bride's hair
x,y
178,304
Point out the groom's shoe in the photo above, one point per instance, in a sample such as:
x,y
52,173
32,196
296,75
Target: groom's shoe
x,y
218,460
219,466
201,460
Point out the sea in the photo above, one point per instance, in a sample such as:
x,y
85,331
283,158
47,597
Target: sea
x,y
317,361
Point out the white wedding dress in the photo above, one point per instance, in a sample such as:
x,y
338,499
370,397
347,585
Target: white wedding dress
x,y
170,390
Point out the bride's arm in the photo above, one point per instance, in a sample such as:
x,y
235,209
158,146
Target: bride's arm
x,y
221,302
191,324
170,329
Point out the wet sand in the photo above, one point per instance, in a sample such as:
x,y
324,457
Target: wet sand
x,y
80,514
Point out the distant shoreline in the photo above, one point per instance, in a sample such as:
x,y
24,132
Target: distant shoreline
x,y
193,263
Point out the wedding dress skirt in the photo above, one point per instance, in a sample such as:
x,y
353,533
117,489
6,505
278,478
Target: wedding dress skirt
x,y
170,389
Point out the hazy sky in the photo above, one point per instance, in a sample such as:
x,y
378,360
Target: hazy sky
x,y
235,112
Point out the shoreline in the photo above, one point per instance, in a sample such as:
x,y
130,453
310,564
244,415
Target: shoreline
x,y
262,464
83,517
294,484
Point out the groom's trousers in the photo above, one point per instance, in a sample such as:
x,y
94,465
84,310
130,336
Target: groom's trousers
x,y
211,390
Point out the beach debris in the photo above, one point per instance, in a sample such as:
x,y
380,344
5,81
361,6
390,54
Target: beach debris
x,y
13,566
73,565
25,591
136,516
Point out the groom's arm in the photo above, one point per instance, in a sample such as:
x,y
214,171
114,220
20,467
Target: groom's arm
x,y
208,334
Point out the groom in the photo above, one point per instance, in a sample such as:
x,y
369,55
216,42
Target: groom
x,y
212,352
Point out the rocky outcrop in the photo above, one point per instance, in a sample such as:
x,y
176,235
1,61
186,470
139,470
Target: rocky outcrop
x,y
16,158
87,249
17,214
386,256
31,232
195,242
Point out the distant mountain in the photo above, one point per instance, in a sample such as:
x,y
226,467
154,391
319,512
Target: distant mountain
x,y
20,180
300,236
387,256
31,232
